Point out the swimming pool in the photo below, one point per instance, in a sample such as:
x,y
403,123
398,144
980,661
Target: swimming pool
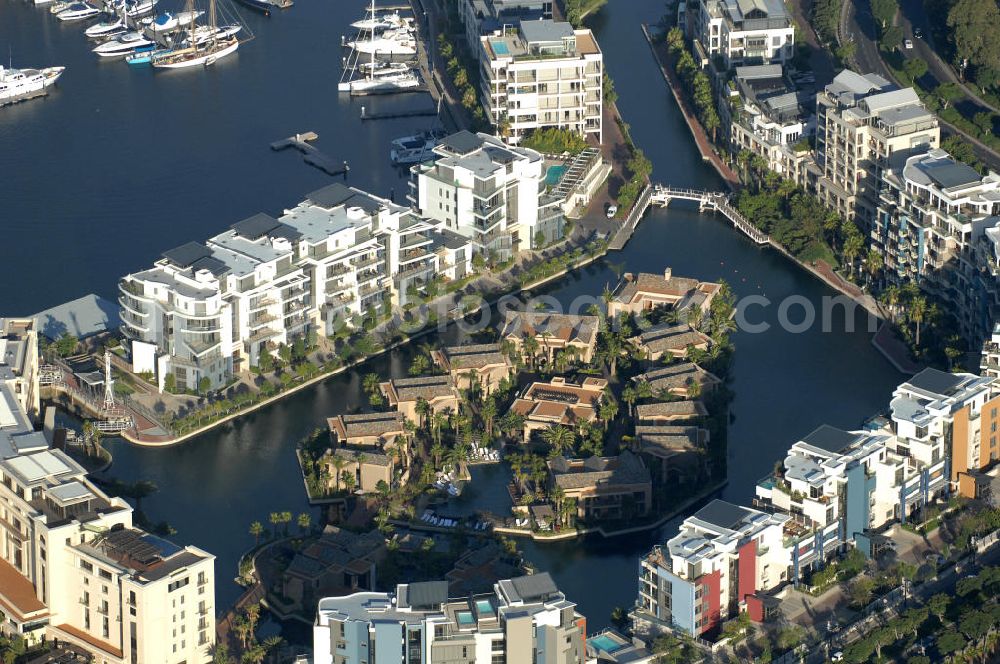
x,y
500,48
554,174
605,643
465,618
483,607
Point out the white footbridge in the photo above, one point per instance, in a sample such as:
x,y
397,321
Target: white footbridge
x,y
709,200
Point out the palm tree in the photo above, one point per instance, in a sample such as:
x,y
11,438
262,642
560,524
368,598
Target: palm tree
x,y
918,310
608,411
275,519
873,263
437,449
557,496
852,248
438,422
530,345
370,382
559,439
304,520
892,297
256,529
630,395
338,463
489,412
423,409
286,518
349,481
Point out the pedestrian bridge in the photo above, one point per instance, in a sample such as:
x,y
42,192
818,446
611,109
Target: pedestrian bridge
x,y
708,200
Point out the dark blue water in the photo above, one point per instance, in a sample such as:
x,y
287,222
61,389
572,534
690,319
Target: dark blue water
x,y
119,165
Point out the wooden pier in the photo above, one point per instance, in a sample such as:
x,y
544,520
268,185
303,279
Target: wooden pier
x,y
312,155
375,93
417,113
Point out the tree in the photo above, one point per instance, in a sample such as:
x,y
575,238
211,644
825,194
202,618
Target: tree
x,y
256,529
917,312
951,641
65,345
265,361
973,29
873,264
915,68
559,438
304,521
275,520
938,604
204,384
169,382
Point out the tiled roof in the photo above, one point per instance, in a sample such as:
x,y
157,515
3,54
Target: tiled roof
x,y
374,458
427,387
17,595
669,337
671,409
677,376
653,284
565,327
366,424
474,356
626,468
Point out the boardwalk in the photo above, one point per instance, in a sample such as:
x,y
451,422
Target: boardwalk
x,y
710,200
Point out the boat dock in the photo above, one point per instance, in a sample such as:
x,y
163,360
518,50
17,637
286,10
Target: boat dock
x,y
391,115
24,96
312,155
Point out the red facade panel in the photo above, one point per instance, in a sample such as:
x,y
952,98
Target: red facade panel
x,y
746,584
712,599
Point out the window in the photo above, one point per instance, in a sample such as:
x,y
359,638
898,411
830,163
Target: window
x,y
86,566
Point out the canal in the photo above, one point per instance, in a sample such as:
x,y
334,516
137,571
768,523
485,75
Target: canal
x,y
119,165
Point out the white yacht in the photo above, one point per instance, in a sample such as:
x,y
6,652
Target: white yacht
x,y
102,30
78,11
395,82
139,7
17,83
376,23
414,149
392,42
384,68
123,45
168,21
205,33
60,6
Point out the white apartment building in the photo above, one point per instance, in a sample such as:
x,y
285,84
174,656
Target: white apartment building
x,y
206,310
484,17
543,74
742,32
771,119
862,121
711,570
989,363
935,223
525,620
73,568
951,417
488,192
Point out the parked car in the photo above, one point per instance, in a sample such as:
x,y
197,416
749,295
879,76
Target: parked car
x,y
908,43
612,210
918,33
837,656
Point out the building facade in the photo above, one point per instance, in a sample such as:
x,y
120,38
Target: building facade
x,y
525,620
742,32
489,193
542,74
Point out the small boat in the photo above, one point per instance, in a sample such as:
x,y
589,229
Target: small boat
x,y
262,6
78,11
386,83
16,84
194,56
168,21
124,45
101,30
415,149
376,23
144,56
138,8
60,6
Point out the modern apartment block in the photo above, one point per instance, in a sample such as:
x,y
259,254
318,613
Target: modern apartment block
x,y
771,119
711,570
206,310
73,567
488,192
484,17
542,74
934,226
939,416
863,121
525,620
742,32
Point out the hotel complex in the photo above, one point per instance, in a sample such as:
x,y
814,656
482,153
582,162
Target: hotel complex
x,y
72,565
525,620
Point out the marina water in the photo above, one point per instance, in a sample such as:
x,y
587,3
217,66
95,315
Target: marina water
x,y
119,165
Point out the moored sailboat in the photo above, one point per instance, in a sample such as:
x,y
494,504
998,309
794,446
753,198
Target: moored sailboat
x,y
203,45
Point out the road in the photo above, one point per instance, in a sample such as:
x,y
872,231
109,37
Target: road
x,y
859,27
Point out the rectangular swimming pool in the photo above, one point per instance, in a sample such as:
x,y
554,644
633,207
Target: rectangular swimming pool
x,y
465,618
483,607
605,643
554,174
500,48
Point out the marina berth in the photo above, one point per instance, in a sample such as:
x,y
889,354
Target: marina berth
x,y
123,45
78,12
21,84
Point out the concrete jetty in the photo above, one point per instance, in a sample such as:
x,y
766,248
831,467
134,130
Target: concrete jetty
x,y
312,155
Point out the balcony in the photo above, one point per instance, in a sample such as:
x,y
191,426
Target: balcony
x,y
260,303
262,320
260,335
363,262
